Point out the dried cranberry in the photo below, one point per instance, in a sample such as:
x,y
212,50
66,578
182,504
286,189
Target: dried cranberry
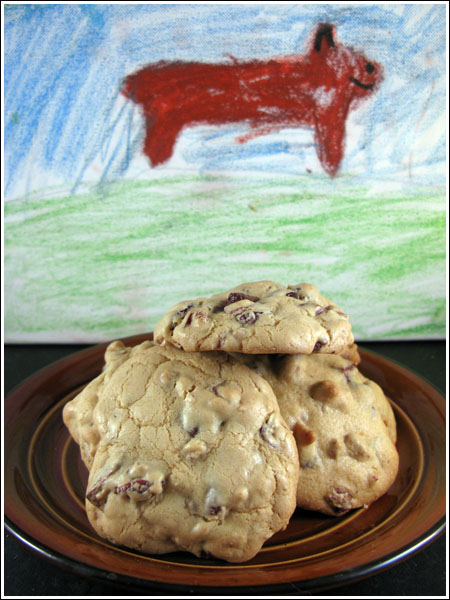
x,y
99,493
264,432
318,346
214,510
237,296
179,316
120,489
248,318
200,316
297,293
193,432
219,307
96,496
340,500
138,485
345,371
183,311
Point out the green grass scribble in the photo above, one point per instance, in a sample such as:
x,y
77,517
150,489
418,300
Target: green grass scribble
x,y
109,262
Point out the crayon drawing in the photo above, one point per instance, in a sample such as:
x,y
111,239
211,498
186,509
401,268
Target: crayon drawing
x,y
155,153
316,90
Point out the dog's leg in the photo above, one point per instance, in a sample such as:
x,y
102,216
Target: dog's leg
x,y
330,137
161,136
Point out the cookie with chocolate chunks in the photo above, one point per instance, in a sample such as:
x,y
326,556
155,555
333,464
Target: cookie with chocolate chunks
x,y
263,317
344,426
193,454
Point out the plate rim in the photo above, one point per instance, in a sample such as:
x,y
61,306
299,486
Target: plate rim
x,y
317,583
328,581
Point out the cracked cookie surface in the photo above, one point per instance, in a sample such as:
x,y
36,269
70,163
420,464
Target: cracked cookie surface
x,y
262,317
79,413
343,424
193,455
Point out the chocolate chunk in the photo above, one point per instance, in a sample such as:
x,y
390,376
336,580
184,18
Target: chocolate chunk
x,y
303,436
318,346
355,448
293,295
333,448
324,390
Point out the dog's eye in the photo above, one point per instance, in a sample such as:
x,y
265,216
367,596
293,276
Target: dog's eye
x,y
370,68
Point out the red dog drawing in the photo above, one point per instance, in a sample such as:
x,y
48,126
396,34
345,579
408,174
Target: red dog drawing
x,y
316,90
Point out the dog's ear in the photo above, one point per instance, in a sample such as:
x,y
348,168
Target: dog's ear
x,y
325,32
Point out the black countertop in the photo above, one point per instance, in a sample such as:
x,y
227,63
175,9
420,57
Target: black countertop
x,y
423,574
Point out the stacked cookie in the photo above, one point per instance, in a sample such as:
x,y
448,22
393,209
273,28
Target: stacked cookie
x,y
247,404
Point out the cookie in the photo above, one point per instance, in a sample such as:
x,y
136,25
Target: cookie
x,y
78,414
351,353
344,427
258,318
193,455
265,363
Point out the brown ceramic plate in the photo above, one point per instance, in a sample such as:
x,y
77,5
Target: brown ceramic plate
x,y
45,482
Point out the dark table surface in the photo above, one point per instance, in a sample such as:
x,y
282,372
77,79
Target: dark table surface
x,y
423,574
